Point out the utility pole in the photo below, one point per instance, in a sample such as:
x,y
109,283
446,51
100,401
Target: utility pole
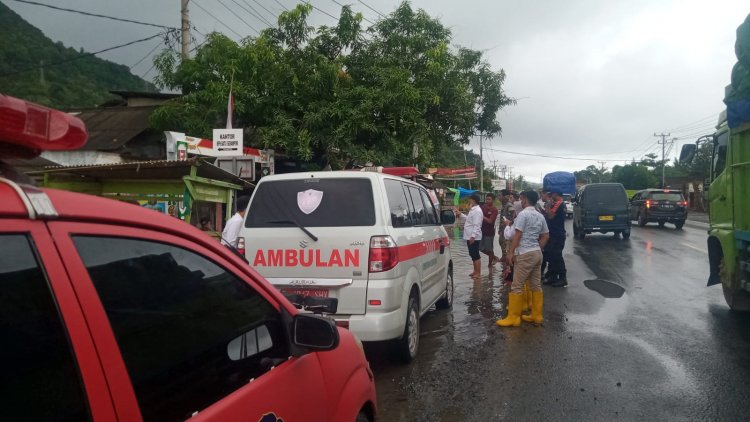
x,y
481,165
663,143
601,170
185,35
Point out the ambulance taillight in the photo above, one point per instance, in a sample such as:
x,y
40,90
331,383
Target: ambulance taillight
x,y
383,254
241,245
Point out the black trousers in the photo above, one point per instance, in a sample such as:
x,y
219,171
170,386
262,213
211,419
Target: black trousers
x,y
554,254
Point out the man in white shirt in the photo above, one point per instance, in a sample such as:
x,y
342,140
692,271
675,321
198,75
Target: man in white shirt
x,y
233,226
525,255
473,232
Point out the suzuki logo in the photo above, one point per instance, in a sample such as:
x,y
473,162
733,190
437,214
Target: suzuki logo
x,y
303,244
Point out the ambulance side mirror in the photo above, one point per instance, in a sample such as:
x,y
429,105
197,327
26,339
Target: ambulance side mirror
x,y
447,217
314,332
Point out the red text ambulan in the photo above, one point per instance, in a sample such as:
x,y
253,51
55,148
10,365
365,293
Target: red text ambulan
x,y
306,258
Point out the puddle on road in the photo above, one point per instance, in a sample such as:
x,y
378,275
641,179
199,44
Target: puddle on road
x,y
605,288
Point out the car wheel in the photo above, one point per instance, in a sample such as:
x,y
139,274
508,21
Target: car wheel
x,y
626,234
446,302
641,220
661,224
575,230
407,346
581,234
678,225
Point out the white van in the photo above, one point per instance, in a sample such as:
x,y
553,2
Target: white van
x,y
372,241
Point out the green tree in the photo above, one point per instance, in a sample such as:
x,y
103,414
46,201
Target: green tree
x,y
634,176
340,95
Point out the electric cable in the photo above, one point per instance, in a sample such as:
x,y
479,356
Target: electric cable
x,y
147,55
264,8
238,17
257,15
96,15
368,6
83,55
215,18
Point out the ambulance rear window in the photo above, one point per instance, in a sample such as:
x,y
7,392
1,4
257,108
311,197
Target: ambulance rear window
x,y
312,202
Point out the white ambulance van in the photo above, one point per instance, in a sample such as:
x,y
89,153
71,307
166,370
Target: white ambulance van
x,y
374,242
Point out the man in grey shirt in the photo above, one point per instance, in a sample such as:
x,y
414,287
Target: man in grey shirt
x,y
525,255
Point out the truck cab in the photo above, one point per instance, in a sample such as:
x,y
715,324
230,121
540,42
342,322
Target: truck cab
x,y
726,191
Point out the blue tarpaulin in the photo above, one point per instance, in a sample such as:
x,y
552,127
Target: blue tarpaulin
x,y
561,182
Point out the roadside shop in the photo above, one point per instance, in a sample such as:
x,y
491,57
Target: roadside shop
x,y
193,190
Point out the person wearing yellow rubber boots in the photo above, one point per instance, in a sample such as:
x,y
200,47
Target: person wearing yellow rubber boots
x,y
525,255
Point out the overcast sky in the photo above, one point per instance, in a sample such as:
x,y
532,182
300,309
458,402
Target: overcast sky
x,y
594,79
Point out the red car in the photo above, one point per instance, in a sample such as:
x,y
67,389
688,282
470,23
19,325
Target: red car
x,y
109,311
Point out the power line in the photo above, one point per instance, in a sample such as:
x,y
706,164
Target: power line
x,y
255,13
146,56
265,8
322,11
80,12
282,5
83,55
215,18
553,156
238,16
363,16
712,116
368,6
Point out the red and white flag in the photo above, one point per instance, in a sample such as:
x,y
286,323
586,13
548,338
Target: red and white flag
x,y
230,110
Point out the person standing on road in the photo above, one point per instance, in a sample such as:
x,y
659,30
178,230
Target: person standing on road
x,y
542,205
507,214
233,226
556,223
473,232
525,255
487,244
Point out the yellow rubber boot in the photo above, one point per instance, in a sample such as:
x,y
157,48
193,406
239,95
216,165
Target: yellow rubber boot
x,y
527,298
537,306
515,303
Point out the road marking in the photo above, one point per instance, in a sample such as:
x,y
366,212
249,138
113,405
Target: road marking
x,y
695,248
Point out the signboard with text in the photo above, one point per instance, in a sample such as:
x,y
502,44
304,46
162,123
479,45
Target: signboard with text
x,y
227,142
499,184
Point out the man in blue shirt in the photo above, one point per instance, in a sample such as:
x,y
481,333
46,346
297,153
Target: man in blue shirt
x,y
554,251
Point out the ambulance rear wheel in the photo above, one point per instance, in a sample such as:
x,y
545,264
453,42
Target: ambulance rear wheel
x,y
405,349
446,302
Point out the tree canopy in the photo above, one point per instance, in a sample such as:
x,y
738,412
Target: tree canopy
x,y
342,94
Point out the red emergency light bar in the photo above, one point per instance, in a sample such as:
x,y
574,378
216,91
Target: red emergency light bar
x,y
401,171
35,128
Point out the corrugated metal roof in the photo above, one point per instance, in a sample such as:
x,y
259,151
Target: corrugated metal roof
x,y
111,128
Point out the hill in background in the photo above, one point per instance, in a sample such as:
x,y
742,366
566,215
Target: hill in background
x,y
81,83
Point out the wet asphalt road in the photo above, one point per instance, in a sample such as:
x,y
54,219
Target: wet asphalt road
x,y
660,346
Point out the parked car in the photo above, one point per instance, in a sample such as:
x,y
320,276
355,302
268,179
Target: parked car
x,y
110,311
659,206
601,208
373,241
